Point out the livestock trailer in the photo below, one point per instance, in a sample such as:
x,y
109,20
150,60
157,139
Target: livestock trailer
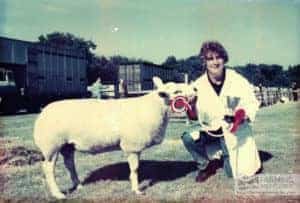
x,y
137,77
34,74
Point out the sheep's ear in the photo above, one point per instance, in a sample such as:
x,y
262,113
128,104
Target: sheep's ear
x,y
157,82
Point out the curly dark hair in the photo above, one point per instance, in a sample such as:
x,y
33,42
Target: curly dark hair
x,y
213,46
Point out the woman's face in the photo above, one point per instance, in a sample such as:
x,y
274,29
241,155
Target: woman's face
x,y
214,64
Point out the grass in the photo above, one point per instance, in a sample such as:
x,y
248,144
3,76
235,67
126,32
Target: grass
x,y
167,171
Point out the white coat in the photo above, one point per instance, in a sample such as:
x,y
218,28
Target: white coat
x,y
211,108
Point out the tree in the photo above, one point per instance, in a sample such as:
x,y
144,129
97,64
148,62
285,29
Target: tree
x,y
293,74
117,60
267,75
61,39
95,68
170,61
109,74
193,66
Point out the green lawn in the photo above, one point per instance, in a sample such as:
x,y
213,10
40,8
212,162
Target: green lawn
x,y
167,171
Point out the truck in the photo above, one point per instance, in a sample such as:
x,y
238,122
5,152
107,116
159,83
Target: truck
x,y
34,74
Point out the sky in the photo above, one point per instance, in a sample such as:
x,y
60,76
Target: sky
x,y
252,31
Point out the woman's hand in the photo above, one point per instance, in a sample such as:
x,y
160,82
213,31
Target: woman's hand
x,y
239,118
192,111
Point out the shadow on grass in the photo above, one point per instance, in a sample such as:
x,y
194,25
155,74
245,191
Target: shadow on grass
x,y
265,156
149,170
155,171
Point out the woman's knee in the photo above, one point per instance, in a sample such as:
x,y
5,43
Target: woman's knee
x,y
187,138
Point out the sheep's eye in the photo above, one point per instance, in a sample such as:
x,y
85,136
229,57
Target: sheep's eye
x,y
177,92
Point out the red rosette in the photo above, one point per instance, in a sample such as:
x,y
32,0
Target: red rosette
x,y
179,104
239,117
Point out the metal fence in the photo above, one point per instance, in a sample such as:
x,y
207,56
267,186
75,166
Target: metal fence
x,y
272,95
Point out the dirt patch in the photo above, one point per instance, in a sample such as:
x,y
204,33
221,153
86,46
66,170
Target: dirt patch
x,y
19,156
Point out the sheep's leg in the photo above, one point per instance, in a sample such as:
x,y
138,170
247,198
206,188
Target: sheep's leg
x,y
49,170
68,152
133,161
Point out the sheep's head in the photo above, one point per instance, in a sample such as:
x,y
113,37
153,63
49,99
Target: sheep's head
x,y
170,91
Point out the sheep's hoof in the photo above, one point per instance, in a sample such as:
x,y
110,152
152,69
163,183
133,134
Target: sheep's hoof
x,y
138,192
59,195
79,187
75,187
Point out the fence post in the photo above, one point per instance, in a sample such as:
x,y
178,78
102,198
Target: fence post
x,y
262,100
294,92
268,97
186,81
278,94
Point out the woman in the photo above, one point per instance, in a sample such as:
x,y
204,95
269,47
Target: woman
x,y
225,106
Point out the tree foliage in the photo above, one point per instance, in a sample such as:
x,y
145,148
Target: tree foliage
x,y
67,39
191,65
293,73
267,75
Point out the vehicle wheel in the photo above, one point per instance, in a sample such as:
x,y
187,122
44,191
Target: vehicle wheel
x,y
33,107
8,106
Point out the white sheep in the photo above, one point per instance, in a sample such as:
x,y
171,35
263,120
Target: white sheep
x,y
94,126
